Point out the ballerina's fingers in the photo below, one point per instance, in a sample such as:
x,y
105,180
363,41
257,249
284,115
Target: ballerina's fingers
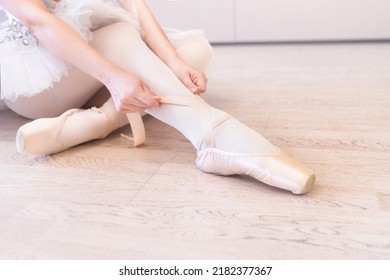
x,y
146,97
201,83
129,105
139,102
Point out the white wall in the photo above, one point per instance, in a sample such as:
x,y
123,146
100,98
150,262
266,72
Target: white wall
x,y
278,20
216,17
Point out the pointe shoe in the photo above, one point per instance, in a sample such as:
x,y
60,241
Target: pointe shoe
x,y
47,136
279,170
270,166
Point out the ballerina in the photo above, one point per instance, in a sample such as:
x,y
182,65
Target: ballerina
x,y
120,62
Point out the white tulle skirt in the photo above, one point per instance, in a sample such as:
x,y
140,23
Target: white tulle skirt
x,y
27,67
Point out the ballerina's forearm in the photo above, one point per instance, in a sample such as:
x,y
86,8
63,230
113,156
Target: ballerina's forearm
x,y
59,38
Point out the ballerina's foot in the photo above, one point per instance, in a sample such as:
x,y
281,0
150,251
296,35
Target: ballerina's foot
x,y
228,147
267,163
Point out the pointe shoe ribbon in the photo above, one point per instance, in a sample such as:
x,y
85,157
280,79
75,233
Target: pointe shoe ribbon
x,y
137,124
138,129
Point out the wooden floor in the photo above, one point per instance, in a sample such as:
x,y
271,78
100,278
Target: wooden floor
x,y
327,105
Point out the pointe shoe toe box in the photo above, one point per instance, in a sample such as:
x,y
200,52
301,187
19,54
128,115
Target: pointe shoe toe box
x,y
38,137
278,170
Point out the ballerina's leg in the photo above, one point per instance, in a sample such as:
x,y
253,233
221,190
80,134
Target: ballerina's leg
x,y
225,145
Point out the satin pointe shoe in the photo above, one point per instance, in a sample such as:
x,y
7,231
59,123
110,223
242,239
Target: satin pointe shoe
x,y
270,165
267,164
278,169
52,135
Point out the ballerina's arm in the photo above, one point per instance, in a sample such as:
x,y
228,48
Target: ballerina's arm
x,y
158,42
126,89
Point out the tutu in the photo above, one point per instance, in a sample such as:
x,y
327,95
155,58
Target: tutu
x,y
27,67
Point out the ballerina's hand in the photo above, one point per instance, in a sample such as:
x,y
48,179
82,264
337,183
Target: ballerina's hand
x,y
194,80
131,94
